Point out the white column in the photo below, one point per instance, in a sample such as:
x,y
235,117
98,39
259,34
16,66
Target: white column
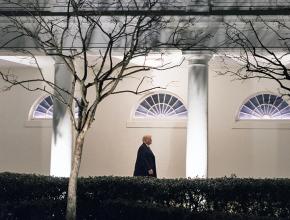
x,y
61,145
196,147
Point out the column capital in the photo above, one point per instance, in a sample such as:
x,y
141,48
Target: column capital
x,y
58,60
197,57
59,57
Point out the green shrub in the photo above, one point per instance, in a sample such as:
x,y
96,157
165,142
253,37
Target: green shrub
x,y
25,196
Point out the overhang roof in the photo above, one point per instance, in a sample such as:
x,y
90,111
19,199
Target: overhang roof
x,y
163,7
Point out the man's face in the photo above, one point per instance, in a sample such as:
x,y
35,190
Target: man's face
x,y
149,141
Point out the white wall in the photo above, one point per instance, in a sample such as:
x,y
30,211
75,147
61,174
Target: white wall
x,y
246,149
22,149
111,144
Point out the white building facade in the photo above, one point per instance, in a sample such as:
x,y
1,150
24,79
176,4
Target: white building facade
x,y
211,140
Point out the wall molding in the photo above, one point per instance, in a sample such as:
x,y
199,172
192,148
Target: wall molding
x,y
156,124
261,124
43,123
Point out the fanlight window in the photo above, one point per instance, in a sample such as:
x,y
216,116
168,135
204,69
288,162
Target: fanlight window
x,y
161,105
44,109
265,106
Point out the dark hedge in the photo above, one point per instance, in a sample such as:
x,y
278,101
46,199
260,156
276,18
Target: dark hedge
x,y
24,196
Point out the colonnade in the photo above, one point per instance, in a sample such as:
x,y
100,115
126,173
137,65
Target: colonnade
x,y
197,123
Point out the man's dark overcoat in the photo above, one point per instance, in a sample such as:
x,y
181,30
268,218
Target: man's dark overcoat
x,y
144,162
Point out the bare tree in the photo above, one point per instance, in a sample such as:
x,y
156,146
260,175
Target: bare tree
x,y
264,49
71,38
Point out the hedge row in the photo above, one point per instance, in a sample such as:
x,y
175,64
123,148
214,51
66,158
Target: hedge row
x,y
42,197
111,210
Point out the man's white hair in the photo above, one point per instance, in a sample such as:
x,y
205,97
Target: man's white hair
x,y
146,137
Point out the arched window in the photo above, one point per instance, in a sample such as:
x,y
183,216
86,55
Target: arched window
x,y
44,109
161,105
264,106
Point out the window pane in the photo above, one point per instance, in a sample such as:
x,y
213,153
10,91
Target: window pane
x,y
145,104
142,109
49,100
161,105
150,100
181,109
266,98
245,109
41,109
167,98
254,101
44,110
260,99
161,97
265,106
155,98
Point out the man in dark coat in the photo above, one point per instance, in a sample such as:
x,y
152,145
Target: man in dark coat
x,y
145,162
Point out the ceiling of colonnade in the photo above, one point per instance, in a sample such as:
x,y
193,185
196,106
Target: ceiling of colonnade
x,y
204,33
209,19
165,7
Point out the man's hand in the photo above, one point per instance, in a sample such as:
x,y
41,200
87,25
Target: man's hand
x,y
150,172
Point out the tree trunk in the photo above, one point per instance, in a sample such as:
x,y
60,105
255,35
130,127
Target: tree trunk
x,y
72,185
